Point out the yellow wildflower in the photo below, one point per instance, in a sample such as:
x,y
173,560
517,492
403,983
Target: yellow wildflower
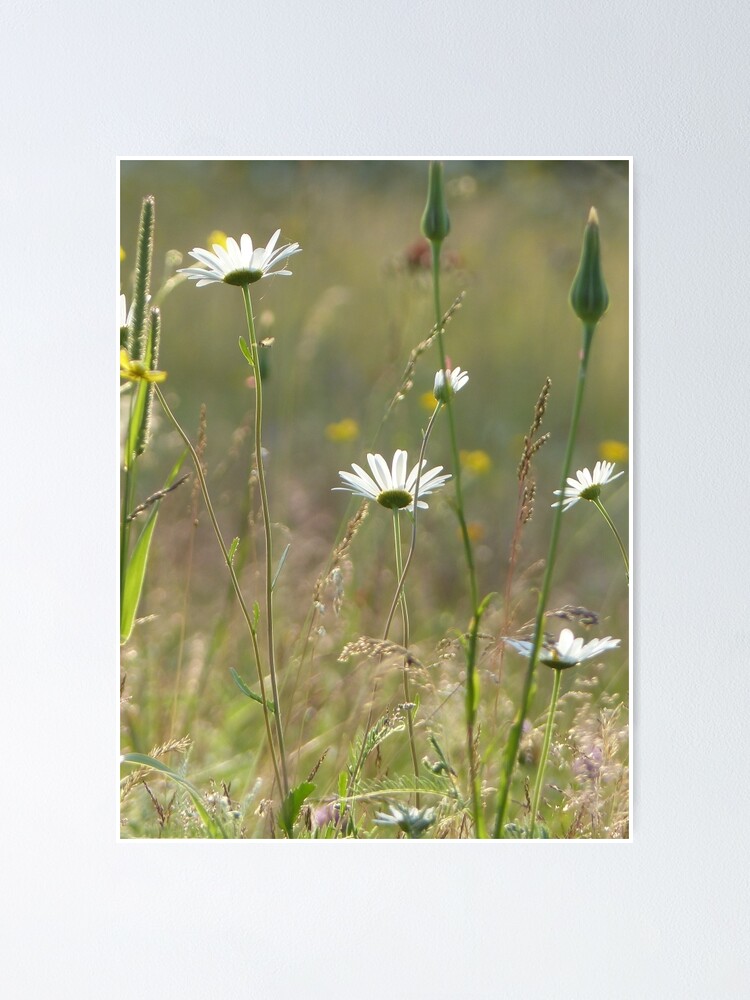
x,y
476,531
217,237
136,371
345,430
613,451
478,461
427,400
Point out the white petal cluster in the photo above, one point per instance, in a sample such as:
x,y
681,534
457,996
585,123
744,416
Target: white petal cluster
x,y
240,264
586,483
449,382
568,651
392,487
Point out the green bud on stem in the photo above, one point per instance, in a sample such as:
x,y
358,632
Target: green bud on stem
x,y
588,295
436,223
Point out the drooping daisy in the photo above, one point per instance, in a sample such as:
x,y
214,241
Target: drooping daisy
x,y
587,485
240,264
448,383
568,651
392,487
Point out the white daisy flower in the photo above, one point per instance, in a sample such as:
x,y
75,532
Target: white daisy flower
x,y
411,820
568,651
392,487
448,383
587,485
239,265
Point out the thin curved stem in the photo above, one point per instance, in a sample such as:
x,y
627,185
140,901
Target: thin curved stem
x,y
406,638
413,543
514,737
232,574
267,531
600,507
451,422
545,752
396,596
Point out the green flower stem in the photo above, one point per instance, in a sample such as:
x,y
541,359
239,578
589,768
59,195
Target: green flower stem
x,y
472,693
233,575
406,637
600,507
545,752
514,737
451,422
267,531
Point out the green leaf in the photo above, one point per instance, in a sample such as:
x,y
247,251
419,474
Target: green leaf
x,y
135,575
484,603
214,829
279,568
343,783
246,351
292,804
256,615
250,694
233,549
137,562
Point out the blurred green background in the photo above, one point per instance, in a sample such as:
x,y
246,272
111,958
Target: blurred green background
x,y
343,327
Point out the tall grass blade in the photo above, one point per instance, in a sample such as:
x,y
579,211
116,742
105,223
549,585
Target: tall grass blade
x,y
279,568
136,568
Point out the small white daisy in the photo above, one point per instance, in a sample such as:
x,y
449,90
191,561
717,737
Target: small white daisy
x,y
411,820
587,485
392,487
568,651
448,383
239,265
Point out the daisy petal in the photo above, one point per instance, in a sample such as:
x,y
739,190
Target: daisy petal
x,y
380,471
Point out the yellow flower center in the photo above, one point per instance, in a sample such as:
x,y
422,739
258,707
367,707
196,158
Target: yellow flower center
x,y
395,499
591,492
242,277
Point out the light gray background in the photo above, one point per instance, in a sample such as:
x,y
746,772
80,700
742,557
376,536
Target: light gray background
x,y
86,916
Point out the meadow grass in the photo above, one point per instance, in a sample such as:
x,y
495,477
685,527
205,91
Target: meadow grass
x,y
375,737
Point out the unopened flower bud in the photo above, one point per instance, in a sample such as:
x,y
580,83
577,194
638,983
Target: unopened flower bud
x,y
588,295
436,223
